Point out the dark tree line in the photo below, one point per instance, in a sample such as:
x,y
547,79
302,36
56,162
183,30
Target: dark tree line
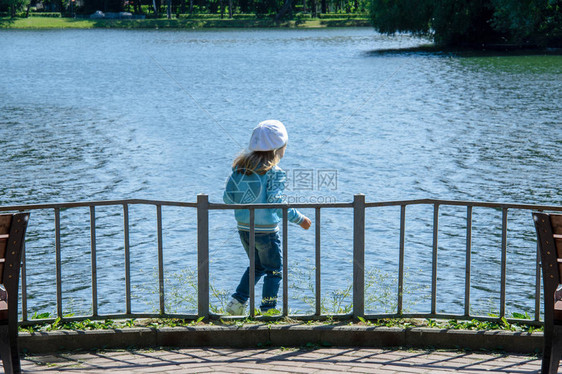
x,y
226,8
262,7
473,22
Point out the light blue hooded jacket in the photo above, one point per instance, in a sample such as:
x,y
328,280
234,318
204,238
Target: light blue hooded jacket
x,y
259,189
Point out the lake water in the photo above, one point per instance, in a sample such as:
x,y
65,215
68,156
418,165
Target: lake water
x,y
115,114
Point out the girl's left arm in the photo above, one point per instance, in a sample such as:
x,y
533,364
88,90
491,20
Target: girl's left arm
x,y
227,192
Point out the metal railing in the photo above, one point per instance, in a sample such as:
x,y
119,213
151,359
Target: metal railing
x,y
359,207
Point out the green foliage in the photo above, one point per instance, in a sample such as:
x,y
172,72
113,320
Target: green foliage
x,y
91,6
180,288
474,22
46,14
453,324
381,290
404,323
41,315
529,21
523,315
303,287
223,297
199,16
13,7
458,22
339,16
390,16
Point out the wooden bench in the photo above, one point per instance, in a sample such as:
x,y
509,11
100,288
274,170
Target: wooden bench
x,y
549,232
12,234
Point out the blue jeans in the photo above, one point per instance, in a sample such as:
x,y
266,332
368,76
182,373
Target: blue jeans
x,y
268,263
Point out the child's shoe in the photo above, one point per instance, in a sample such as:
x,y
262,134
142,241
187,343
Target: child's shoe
x,y
235,307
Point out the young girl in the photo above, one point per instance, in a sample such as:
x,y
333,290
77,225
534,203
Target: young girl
x,y
257,179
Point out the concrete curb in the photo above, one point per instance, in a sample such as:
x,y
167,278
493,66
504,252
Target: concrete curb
x,y
280,335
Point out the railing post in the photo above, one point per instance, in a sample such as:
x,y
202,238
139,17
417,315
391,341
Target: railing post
x,y
285,263
503,262
23,285
318,262
358,255
161,291
401,260
468,260
538,285
127,259
434,258
252,258
58,262
203,255
93,257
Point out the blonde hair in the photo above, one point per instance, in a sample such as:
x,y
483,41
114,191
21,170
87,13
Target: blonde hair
x,y
259,162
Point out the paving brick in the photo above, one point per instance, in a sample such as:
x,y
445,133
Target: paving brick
x,y
380,369
416,369
227,360
194,370
365,351
365,365
281,367
326,366
201,367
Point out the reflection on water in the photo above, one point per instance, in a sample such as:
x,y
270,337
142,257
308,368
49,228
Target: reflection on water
x,y
111,114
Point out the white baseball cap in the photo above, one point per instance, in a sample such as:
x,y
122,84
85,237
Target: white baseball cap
x,y
268,135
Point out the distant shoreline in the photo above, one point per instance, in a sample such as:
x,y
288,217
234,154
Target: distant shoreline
x,y
42,23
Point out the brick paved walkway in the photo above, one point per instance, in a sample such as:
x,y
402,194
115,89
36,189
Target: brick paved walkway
x,y
280,360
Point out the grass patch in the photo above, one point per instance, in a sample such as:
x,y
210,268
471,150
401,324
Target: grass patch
x,y
34,23
46,23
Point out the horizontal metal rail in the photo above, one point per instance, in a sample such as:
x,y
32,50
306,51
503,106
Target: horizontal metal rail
x,y
497,205
82,204
221,206
203,206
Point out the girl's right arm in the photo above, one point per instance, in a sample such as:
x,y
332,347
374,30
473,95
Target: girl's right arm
x,y
275,187
305,224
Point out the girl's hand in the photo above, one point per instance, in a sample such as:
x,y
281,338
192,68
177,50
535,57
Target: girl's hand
x,y
305,224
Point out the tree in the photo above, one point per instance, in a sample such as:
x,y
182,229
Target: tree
x,y
473,22
537,21
91,6
391,16
284,10
13,6
463,22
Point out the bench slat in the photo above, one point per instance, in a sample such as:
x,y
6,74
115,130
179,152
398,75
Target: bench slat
x,y
556,221
5,222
